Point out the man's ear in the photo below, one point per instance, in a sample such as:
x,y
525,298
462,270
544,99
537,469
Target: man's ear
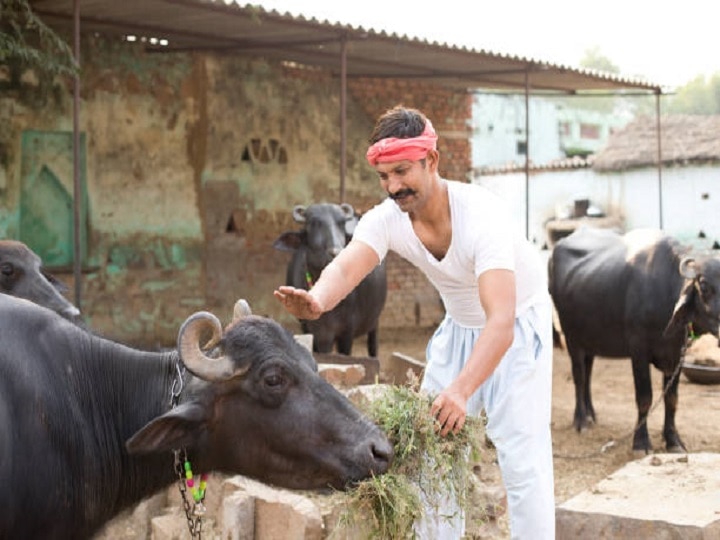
x,y
433,160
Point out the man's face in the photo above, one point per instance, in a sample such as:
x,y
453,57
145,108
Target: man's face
x,y
406,182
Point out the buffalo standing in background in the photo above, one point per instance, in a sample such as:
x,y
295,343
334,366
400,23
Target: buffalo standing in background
x,y
22,275
327,228
632,296
91,427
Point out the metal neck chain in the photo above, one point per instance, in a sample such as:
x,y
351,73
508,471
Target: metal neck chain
x,y
193,512
178,383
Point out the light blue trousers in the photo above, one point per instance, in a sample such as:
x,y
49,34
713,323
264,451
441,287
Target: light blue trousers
x,y
517,401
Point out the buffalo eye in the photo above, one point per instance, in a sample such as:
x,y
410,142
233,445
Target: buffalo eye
x,y
7,269
274,379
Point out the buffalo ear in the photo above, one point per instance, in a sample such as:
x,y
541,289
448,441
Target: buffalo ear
x,y
288,241
681,312
175,429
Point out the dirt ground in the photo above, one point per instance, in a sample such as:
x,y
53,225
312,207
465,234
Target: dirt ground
x,y
579,460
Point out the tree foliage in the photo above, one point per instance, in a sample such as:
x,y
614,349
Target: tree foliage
x,y
594,59
699,96
27,42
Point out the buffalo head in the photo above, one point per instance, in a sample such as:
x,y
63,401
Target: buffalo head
x,y
699,301
22,275
258,407
326,230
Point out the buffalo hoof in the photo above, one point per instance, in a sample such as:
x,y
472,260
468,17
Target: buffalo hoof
x,y
676,448
638,453
674,444
583,424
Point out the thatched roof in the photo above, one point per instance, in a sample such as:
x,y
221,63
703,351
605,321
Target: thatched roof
x,y
685,139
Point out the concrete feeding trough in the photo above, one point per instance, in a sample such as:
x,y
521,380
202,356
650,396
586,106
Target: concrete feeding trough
x,y
658,496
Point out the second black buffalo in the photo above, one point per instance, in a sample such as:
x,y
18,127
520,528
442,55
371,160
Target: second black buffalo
x,y
634,295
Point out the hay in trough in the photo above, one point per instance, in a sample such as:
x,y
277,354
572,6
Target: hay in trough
x,y
425,465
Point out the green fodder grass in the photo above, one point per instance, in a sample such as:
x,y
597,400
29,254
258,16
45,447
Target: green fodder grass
x,y
425,465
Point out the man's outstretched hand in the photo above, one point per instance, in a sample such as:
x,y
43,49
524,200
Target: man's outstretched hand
x,y
298,302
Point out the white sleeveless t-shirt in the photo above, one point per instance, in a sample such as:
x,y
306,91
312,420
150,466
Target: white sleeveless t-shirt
x,y
484,237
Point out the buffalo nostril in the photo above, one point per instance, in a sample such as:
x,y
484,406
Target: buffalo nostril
x,y
382,453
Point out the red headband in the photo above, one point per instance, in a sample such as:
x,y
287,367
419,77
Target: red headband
x,y
393,149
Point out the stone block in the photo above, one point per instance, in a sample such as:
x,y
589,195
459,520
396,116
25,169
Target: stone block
x,y
661,496
169,527
370,363
283,519
238,516
280,514
395,369
342,375
306,340
134,524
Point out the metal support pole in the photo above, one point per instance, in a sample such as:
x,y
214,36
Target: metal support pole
x,y
77,191
659,154
343,116
527,152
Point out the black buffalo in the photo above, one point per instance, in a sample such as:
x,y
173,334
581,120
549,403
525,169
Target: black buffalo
x,y
632,296
327,229
22,275
90,427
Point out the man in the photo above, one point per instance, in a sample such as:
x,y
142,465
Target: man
x,y
493,350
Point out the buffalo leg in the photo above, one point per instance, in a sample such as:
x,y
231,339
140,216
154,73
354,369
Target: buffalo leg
x,y
344,343
643,400
322,344
589,409
581,378
372,342
673,443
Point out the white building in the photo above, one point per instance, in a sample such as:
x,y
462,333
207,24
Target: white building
x,y
556,132
624,182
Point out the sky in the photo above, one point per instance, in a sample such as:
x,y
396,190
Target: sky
x,y
668,43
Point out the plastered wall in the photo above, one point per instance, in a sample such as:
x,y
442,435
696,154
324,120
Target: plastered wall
x,y
193,164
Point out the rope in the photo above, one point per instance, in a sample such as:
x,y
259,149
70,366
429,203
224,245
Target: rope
x,y
613,442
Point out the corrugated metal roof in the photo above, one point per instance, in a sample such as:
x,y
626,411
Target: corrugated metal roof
x,y
249,29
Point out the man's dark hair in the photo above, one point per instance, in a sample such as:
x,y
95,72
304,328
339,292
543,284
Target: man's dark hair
x,y
399,122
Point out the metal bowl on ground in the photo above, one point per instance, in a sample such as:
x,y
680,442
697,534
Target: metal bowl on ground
x,y
701,374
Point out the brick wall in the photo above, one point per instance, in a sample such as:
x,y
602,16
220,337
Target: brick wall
x,y
412,300
449,110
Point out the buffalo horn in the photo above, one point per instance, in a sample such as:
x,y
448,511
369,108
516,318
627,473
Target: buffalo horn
x,y
240,310
347,210
197,362
299,213
687,268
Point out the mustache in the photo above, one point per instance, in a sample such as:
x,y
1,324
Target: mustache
x,y
400,194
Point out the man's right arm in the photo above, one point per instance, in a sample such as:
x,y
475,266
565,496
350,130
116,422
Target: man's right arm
x,y
336,281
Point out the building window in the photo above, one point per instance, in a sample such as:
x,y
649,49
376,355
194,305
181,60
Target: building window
x,y
589,131
521,148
